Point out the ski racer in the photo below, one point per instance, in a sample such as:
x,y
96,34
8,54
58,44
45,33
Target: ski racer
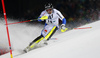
x,y
52,16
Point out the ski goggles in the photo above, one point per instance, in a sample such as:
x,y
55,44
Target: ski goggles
x,y
48,9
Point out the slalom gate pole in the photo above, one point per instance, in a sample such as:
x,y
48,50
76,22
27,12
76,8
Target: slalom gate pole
x,y
4,12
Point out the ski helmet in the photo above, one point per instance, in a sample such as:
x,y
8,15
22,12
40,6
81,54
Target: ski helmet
x,y
48,6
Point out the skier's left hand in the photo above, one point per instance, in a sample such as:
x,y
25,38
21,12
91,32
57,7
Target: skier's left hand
x,y
63,28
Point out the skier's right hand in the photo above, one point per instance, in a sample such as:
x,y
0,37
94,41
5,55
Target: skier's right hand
x,y
43,18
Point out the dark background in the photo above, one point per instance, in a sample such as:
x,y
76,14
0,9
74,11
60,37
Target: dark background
x,y
19,8
31,9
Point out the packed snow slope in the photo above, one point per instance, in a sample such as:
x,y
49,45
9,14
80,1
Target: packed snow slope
x,y
80,43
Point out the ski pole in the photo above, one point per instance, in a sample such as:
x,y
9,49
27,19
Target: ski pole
x,y
21,22
42,18
83,28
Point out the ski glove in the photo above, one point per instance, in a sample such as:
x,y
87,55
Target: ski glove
x,y
43,18
63,28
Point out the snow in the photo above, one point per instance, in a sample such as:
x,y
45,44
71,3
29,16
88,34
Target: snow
x,y
80,43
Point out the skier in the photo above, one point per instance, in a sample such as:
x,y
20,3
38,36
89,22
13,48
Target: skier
x,y
52,17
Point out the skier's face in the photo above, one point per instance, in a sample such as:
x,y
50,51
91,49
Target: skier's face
x,y
49,11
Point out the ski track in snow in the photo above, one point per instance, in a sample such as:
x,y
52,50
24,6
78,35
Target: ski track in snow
x,y
81,43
